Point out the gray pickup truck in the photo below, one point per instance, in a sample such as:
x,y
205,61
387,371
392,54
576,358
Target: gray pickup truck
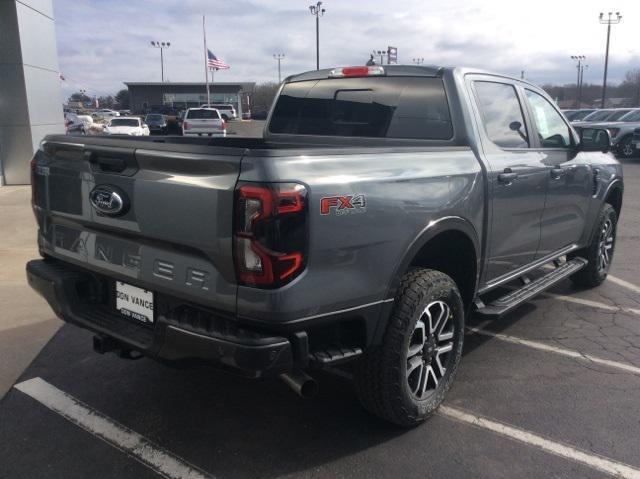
x,y
382,207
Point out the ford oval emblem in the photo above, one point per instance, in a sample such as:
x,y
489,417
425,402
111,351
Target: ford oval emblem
x,y
109,200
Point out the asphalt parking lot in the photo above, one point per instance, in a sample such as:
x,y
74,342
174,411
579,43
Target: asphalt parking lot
x,y
551,390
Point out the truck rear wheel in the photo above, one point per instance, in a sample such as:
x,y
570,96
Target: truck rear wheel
x,y
599,253
404,379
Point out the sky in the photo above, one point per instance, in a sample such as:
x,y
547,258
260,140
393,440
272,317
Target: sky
x,y
103,43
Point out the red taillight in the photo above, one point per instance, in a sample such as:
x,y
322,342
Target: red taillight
x,y
185,125
345,72
224,125
270,233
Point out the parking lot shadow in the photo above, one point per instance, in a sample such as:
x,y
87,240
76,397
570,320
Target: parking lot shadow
x,y
474,341
227,425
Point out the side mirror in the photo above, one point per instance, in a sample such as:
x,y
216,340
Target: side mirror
x,y
517,127
595,139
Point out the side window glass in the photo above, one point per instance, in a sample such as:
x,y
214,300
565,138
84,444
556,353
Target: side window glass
x,y
552,130
502,114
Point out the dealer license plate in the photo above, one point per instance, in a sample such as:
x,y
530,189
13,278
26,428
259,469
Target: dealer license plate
x,y
135,303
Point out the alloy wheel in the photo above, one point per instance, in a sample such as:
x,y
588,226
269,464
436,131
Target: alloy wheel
x,y
430,349
607,237
627,149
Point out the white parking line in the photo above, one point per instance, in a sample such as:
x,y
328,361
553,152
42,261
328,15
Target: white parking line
x,y
594,461
624,284
592,304
553,349
140,448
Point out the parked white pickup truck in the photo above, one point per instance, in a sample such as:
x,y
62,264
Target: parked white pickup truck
x,y
203,121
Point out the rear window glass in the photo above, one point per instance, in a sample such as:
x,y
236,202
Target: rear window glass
x,y
383,107
581,114
618,114
203,114
599,115
633,116
124,122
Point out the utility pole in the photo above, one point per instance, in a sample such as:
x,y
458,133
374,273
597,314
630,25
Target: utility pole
x,y
318,12
279,57
579,59
418,61
161,46
608,22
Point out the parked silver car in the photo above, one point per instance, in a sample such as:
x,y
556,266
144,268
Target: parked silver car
x,y
621,132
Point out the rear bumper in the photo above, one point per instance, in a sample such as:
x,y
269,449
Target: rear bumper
x,y
204,133
179,332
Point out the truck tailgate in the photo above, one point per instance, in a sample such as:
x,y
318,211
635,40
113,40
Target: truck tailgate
x,y
173,233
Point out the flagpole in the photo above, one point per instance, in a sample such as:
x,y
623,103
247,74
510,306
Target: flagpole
x,y
206,73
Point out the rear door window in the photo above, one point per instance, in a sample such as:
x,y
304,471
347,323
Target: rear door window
x,y
502,114
384,107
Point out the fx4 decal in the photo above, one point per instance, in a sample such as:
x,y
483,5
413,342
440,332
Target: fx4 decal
x,y
342,205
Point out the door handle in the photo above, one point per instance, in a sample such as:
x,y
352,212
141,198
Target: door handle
x,y
507,177
557,172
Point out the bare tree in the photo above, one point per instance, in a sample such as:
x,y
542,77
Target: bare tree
x,y
631,85
263,96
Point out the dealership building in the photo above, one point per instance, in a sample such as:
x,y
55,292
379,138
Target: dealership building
x,y
144,95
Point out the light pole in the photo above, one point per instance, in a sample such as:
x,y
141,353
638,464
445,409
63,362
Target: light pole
x,y
608,22
579,59
279,57
161,46
382,53
582,69
418,61
317,11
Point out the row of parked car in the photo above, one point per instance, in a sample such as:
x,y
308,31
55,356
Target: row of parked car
x,y
621,123
203,121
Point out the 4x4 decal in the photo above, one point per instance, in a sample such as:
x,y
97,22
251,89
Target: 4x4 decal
x,y
342,205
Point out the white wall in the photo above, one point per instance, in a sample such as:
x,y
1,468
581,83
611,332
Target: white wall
x,y
30,97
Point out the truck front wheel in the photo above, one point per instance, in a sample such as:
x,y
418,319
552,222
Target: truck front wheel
x,y
404,379
626,148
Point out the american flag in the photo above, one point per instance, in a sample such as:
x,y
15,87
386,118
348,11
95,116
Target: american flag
x,y
214,62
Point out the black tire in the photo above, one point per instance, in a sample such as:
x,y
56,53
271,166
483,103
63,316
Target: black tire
x,y
595,272
626,149
383,381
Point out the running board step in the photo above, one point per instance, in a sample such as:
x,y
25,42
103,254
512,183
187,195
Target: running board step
x,y
333,356
515,298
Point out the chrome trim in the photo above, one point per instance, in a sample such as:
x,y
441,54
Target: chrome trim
x,y
215,338
525,269
315,316
63,143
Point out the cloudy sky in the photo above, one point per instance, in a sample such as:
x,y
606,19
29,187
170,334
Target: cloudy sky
x,y
102,43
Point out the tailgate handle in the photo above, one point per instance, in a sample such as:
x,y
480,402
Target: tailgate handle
x,y
109,164
109,161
